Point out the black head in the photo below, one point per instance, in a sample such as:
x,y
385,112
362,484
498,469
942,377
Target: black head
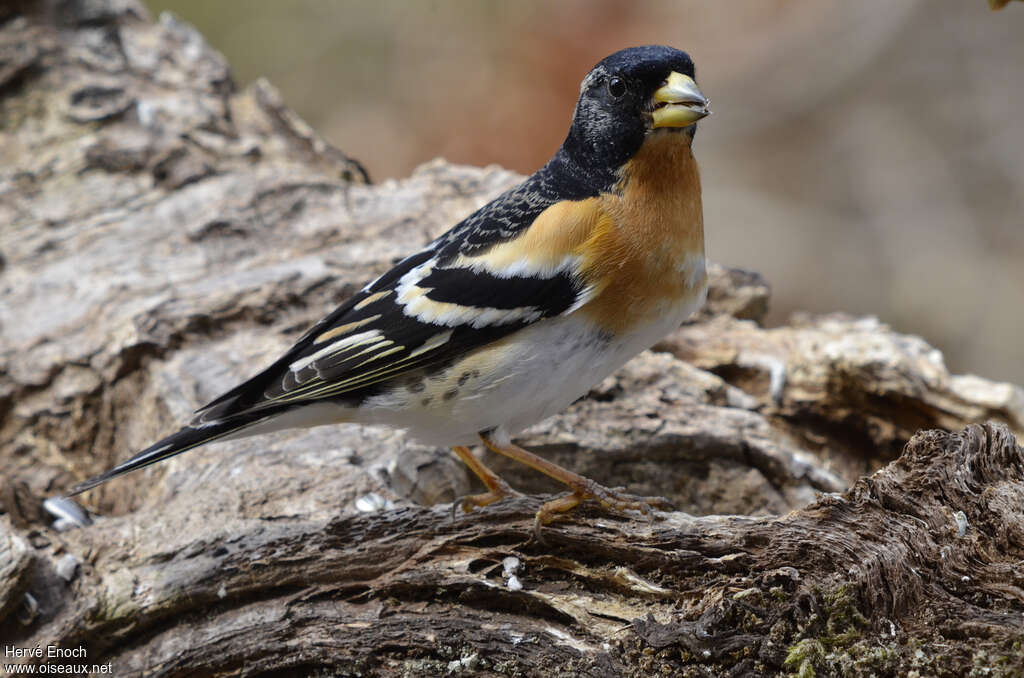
x,y
628,96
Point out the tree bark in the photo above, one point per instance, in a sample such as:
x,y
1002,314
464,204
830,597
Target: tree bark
x,y
165,236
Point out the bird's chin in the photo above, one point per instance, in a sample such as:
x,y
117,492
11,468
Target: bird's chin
x,y
688,131
673,130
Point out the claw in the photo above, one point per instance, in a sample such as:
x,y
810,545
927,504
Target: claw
x,y
612,499
500,491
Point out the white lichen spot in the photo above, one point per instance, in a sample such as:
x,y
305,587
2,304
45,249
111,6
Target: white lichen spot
x,y
466,663
569,640
961,523
67,566
68,513
373,503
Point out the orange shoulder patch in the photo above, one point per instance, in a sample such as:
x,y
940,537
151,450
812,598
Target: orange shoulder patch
x,y
550,245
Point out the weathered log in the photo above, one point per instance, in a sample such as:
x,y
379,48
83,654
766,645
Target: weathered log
x,y
917,566
165,235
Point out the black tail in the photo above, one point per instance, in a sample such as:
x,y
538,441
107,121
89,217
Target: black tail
x,y
174,444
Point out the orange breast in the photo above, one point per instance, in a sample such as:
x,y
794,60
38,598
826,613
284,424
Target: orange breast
x,y
645,256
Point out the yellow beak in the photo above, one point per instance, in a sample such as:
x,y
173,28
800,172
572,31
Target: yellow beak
x,y
679,102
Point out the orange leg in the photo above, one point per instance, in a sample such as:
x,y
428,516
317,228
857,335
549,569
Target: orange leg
x,y
496,487
582,488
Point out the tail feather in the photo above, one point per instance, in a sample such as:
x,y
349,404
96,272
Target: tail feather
x,y
184,440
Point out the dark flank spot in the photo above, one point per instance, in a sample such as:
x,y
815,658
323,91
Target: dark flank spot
x,y
426,401
466,376
417,386
448,395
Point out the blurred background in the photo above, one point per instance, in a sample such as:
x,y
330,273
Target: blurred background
x,y
864,156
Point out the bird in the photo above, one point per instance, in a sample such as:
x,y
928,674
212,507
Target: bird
x,y
519,309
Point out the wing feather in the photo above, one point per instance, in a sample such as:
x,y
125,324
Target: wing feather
x,y
432,307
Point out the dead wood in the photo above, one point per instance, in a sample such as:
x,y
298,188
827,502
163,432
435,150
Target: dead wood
x,y
165,235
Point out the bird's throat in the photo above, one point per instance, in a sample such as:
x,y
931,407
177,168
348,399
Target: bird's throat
x,y
649,251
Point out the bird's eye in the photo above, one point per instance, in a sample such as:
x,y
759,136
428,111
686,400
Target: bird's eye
x,y
616,87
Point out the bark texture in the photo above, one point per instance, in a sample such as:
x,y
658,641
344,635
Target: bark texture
x,y
164,236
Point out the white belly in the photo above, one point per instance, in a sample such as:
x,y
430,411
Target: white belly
x,y
517,383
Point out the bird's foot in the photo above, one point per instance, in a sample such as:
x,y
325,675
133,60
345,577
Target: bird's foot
x,y
499,491
612,499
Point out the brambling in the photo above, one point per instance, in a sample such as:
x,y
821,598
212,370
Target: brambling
x,y
520,308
